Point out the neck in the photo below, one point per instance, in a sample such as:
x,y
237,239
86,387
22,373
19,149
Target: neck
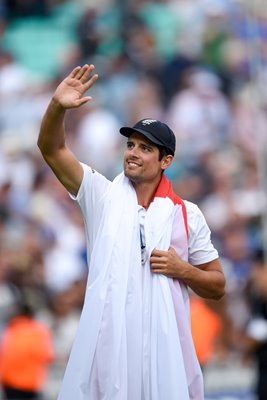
x,y
145,191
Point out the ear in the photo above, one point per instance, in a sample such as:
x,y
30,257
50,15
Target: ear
x,y
166,161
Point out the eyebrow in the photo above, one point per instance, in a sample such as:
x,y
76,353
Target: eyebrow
x,y
151,146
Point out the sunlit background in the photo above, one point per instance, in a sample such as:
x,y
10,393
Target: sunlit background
x,y
201,67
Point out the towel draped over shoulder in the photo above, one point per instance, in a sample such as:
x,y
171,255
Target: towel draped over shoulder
x,y
134,340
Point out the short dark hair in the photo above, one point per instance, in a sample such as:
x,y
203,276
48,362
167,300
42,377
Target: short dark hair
x,y
258,255
163,151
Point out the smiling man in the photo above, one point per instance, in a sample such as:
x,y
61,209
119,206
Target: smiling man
x,y
146,155
145,247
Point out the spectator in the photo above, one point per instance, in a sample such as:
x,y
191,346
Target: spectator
x,y
25,353
257,325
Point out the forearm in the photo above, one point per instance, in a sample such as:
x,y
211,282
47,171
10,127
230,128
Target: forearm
x,y
52,135
209,284
68,95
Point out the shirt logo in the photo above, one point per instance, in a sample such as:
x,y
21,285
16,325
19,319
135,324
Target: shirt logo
x,y
148,121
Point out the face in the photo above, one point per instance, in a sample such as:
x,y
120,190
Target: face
x,y
141,160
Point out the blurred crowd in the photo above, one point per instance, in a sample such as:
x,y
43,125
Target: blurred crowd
x,y
198,65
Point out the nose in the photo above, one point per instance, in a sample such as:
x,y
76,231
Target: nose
x,y
133,151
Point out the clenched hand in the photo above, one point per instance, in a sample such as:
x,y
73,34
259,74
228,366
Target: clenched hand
x,y
168,263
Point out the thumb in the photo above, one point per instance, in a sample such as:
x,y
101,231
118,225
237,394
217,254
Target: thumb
x,y
171,250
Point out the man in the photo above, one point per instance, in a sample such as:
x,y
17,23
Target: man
x,y
145,246
256,330
26,350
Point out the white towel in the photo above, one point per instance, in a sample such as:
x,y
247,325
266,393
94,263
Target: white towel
x,y
133,340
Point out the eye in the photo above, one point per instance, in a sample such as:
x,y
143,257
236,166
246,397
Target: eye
x,y
146,149
129,145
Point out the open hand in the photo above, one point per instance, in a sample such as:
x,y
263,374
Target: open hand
x,y
69,93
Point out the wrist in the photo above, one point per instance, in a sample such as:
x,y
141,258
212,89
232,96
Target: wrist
x,y
187,270
56,106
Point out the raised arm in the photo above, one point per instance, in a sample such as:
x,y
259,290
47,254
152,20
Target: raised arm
x,y
51,140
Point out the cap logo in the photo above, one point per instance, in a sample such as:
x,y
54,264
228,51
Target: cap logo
x,y
148,121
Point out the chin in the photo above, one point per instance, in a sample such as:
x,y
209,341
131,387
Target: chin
x,y
132,177
128,174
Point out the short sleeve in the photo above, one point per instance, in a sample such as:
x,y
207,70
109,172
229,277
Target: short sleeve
x,y
91,197
200,247
93,185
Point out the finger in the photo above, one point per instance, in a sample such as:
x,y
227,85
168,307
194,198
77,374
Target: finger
x,y
90,83
158,253
171,250
75,71
82,71
157,260
87,73
156,266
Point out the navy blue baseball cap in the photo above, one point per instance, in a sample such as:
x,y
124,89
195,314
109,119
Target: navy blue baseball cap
x,y
156,131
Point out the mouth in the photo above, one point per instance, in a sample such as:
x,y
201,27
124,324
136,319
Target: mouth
x,y
131,163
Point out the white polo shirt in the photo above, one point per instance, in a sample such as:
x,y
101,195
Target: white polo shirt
x,y
91,197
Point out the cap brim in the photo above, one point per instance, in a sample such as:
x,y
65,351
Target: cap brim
x,y
127,131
